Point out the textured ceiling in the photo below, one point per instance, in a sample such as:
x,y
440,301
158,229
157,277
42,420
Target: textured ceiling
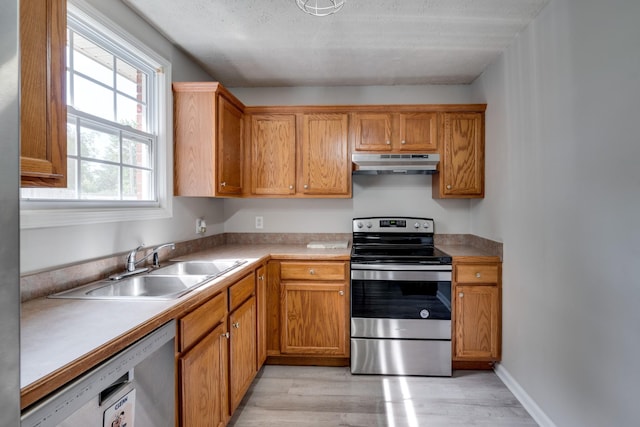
x,y
368,42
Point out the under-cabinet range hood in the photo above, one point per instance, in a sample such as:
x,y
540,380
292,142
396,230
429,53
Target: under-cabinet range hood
x,y
376,164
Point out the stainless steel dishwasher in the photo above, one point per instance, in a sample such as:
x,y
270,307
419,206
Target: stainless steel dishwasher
x,y
134,388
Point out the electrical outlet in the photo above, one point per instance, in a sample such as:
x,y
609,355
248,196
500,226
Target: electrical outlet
x,y
259,222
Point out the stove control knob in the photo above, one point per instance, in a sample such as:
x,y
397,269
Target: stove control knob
x,y
426,225
416,225
359,224
424,313
369,225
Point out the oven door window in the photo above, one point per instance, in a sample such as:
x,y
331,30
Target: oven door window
x,y
393,299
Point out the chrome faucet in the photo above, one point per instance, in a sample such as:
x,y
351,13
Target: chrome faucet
x,y
156,259
131,258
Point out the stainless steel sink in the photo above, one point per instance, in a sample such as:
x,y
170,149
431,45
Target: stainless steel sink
x,y
209,268
164,283
162,287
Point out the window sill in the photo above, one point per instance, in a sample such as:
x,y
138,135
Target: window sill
x,y
47,218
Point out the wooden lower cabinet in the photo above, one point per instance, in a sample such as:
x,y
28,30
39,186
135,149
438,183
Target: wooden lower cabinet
x,y
477,313
202,365
203,380
308,313
314,321
261,320
242,351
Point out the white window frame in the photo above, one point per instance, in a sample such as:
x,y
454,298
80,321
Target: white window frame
x,y
45,214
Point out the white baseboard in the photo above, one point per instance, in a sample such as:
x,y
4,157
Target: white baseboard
x,y
527,402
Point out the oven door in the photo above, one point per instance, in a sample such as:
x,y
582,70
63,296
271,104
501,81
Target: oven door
x,y
401,301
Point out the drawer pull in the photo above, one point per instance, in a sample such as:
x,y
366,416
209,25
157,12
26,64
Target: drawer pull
x,y
478,275
223,184
236,325
341,293
312,272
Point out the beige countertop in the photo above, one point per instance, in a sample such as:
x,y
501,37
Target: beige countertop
x,y
62,338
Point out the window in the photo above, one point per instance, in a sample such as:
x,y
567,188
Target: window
x,y
116,129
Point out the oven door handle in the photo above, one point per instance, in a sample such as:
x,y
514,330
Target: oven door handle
x,y
402,275
402,267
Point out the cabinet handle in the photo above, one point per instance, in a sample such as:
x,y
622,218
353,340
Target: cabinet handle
x,y
311,272
388,142
225,335
306,186
448,186
223,184
461,294
291,187
260,277
403,142
236,325
478,275
341,293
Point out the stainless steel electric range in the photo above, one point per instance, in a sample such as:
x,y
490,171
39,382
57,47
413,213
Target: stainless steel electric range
x,y
400,298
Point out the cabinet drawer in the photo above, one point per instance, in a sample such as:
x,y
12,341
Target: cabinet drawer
x,y
478,273
200,321
241,291
312,271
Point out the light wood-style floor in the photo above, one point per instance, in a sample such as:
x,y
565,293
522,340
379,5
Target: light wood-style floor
x,y
288,396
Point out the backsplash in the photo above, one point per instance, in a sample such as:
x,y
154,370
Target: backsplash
x,y
39,284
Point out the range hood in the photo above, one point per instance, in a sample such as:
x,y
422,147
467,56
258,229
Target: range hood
x,y
376,164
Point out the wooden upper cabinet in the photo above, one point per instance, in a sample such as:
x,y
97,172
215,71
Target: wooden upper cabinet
x,y
230,152
43,107
371,131
273,154
461,169
208,141
326,167
395,132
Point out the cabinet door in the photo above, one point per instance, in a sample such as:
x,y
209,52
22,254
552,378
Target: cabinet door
x,y
313,318
371,131
261,296
326,167
418,132
462,164
203,383
43,107
273,154
230,153
242,351
477,320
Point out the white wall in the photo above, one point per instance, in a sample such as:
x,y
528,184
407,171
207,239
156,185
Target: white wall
x,y
372,195
564,196
46,248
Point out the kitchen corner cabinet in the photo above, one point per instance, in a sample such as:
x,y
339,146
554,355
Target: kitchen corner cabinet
x,y
208,141
242,339
477,295
314,308
394,132
299,155
43,107
202,365
461,168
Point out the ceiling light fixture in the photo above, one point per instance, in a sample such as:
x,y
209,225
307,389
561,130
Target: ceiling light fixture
x,y
320,7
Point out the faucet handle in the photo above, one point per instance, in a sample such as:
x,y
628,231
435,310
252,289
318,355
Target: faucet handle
x,y
131,258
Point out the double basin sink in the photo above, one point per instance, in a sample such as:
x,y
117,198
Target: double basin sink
x,y
164,283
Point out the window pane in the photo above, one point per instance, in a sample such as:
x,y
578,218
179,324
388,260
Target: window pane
x,y
91,60
99,145
131,113
135,153
92,98
131,81
72,144
99,181
136,184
